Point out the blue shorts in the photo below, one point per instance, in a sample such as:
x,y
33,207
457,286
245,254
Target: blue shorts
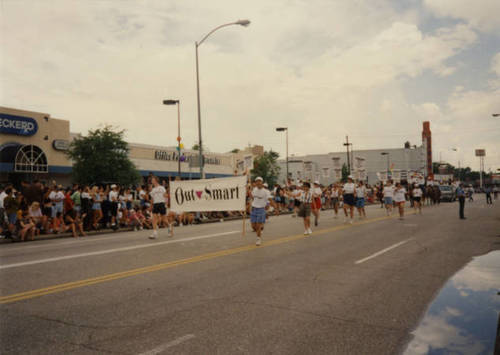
x,y
12,218
258,215
360,202
388,200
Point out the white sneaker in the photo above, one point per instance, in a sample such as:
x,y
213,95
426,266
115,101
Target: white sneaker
x,y
135,229
141,228
306,232
153,236
258,242
309,231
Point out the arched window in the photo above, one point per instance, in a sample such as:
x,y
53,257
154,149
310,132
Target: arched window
x,y
31,159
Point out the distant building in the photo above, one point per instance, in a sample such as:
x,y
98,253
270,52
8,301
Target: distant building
x,y
365,164
33,145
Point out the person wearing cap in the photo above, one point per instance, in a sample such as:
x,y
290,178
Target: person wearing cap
x,y
260,199
349,191
159,196
316,202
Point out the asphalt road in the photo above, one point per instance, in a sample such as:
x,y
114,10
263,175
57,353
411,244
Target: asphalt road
x,y
357,289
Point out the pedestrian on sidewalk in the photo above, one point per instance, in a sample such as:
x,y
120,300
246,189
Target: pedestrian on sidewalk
x,y
461,200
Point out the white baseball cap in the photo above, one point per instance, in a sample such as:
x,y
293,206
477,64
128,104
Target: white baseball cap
x,y
113,186
349,177
259,178
316,182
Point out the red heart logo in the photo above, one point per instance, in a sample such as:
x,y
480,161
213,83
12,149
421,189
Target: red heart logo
x,y
199,193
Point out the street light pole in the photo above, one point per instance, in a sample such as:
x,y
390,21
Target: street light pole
x,y
281,129
197,44
387,154
347,144
178,103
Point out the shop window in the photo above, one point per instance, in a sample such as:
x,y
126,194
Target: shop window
x,y
31,159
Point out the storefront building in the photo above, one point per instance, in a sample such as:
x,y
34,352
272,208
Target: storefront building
x,y
33,146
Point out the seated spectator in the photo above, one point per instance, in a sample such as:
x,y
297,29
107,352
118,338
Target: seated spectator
x,y
74,223
58,225
26,227
134,220
35,213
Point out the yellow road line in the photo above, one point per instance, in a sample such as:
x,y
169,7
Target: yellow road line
x,y
120,275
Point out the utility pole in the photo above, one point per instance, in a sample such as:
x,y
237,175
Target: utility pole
x,y
347,144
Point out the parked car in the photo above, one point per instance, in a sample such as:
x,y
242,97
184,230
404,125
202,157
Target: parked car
x,y
448,193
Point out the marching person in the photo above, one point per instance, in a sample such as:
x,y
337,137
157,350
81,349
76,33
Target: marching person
x,y
306,200
388,196
336,193
316,203
261,197
417,198
461,200
349,191
159,195
400,199
360,199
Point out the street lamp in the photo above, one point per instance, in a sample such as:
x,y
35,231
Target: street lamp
x,y
178,103
386,153
281,129
243,23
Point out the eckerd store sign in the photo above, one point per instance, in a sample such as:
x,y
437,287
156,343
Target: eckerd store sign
x,y
19,125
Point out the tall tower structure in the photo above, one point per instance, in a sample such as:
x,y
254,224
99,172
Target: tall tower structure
x,y
427,143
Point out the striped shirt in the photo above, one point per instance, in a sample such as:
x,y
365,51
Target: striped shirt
x,y
305,197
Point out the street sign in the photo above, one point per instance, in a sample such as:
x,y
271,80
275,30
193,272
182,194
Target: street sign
x,y
480,152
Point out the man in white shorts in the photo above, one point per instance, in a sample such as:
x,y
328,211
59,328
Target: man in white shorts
x,y
158,195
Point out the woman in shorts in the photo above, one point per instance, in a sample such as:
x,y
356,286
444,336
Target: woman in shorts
x,y
96,196
388,196
417,198
349,190
360,199
400,199
335,195
305,197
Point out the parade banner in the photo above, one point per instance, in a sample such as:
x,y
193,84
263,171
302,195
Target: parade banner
x,y
416,178
362,174
224,194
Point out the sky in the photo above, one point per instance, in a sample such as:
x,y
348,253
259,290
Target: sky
x,y
370,69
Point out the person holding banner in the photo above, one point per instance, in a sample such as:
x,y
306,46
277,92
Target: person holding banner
x,y
158,195
349,191
400,199
261,197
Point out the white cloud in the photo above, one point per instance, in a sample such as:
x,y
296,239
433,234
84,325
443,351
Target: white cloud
x,y
482,14
340,73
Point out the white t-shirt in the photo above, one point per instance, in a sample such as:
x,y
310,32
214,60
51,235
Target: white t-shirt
x,y
360,191
142,193
417,192
399,195
113,196
388,191
56,195
349,188
158,194
2,197
37,213
335,193
316,191
260,197
85,195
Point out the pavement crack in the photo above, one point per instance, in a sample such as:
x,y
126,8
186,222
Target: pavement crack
x,y
290,309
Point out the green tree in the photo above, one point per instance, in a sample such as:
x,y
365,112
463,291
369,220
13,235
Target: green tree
x,y
195,147
235,150
102,157
266,166
345,172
